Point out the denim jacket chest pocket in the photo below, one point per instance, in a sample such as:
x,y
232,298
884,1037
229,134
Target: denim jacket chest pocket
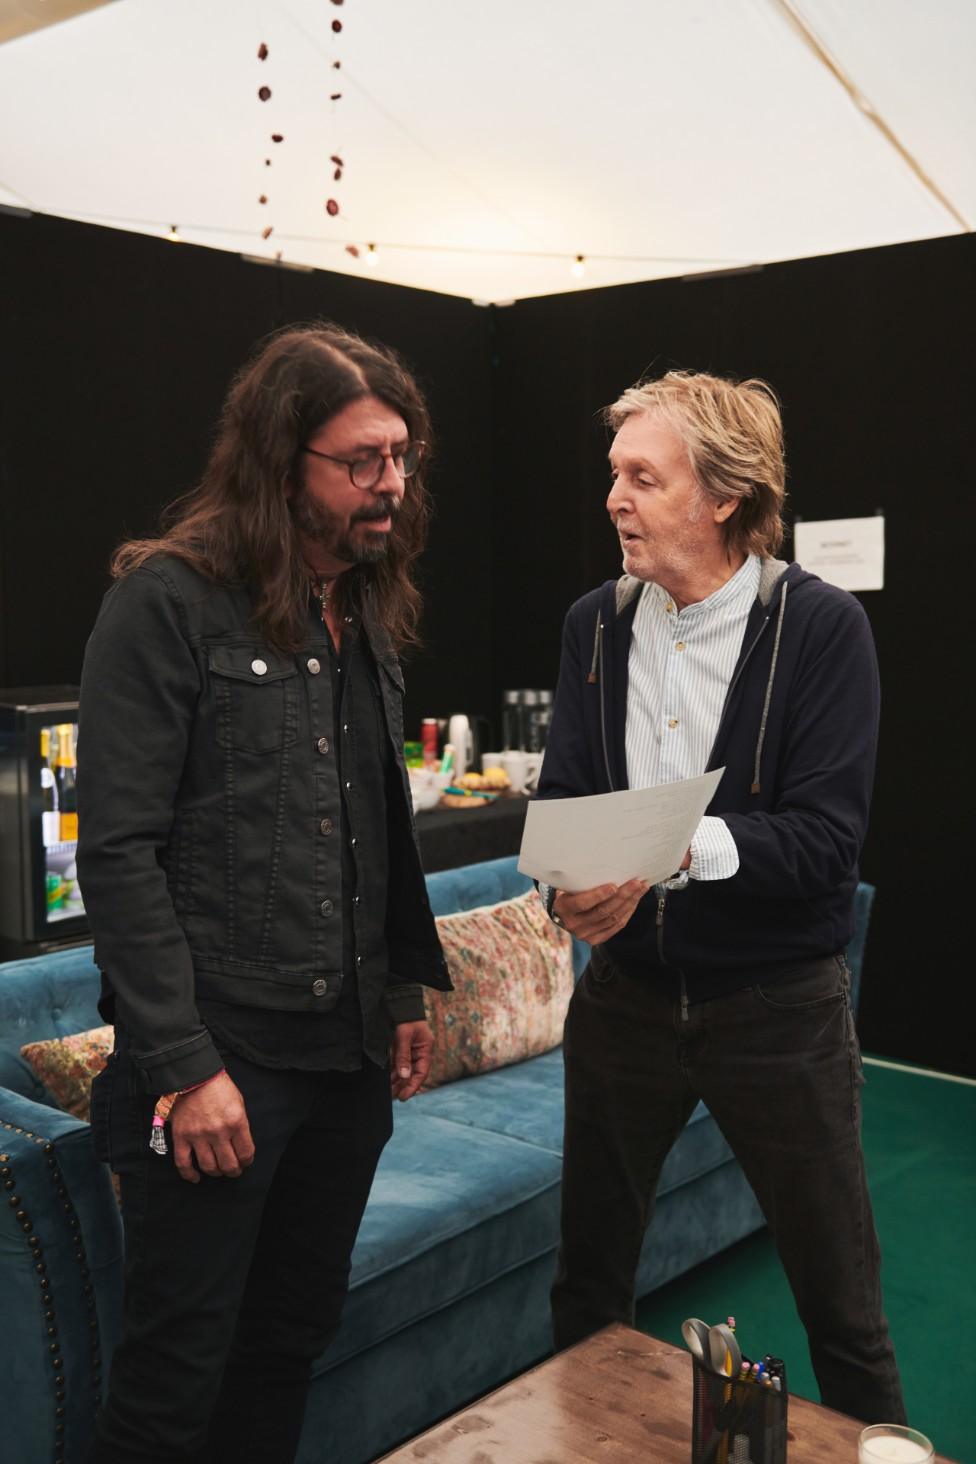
x,y
391,692
256,695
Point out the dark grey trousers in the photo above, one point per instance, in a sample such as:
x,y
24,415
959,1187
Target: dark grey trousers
x,y
779,1067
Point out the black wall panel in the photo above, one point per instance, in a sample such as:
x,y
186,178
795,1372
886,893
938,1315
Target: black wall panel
x,y
117,351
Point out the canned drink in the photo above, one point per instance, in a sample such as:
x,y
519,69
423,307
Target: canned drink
x,y
428,738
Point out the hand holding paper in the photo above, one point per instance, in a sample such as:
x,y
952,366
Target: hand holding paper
x,y
609,838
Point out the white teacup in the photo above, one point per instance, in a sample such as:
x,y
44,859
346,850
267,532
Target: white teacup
x,y
491,760
533,771
522,769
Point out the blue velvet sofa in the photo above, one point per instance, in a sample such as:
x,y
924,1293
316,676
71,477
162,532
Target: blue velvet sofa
x,y
449,1293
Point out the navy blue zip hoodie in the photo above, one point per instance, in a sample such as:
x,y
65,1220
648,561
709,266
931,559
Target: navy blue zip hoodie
x,y
797,739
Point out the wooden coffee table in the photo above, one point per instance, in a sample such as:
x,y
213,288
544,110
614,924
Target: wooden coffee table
x,y
619,1396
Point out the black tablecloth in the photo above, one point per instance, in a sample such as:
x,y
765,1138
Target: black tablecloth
x,y
450,837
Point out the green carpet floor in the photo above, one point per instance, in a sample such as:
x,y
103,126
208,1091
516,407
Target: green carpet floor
x,y
920,1142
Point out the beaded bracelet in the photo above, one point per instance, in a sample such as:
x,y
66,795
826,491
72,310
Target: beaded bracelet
x,y
163,1109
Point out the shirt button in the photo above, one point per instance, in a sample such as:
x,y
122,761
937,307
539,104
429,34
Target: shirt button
x,y
323,744
353,843
673,722
314,666
679,645
359,960
326,908
319,987
325,827
345,726
348,785
356,899
669,608
259,667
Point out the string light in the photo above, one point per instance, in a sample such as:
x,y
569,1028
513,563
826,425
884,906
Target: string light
x,y
208,227
372,256
578,267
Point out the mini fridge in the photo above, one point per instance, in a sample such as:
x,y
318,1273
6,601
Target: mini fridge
x,y
40,902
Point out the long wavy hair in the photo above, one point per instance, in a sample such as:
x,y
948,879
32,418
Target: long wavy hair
x,y
237,523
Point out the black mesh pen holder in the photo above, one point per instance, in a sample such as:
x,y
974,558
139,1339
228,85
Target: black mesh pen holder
x,y
737,1420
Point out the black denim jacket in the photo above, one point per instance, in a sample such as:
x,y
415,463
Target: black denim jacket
x,y
206,773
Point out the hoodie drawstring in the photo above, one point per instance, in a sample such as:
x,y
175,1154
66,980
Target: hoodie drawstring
x,y
596,649
769,691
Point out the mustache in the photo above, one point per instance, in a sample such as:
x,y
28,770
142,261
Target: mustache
x,y
386,506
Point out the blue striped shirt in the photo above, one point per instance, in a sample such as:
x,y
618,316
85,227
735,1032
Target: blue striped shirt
x,y
680,666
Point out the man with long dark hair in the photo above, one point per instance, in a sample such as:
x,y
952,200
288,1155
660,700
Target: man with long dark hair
x,y
258,907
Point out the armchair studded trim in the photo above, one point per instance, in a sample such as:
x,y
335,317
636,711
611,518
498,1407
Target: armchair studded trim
x,y
53,1246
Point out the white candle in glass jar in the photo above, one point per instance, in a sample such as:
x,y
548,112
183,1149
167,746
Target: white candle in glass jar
x,y
902,1447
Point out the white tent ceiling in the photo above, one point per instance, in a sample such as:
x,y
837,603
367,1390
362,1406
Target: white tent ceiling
x,y
486,145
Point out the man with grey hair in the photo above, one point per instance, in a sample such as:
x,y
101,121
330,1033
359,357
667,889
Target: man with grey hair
x,y
727,983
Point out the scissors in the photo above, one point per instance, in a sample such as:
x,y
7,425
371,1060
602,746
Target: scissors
x,y
716,1346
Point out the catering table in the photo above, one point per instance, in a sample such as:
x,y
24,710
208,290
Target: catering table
x,y
450,837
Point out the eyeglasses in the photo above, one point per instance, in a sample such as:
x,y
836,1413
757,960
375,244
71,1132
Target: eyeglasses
x,y
366,471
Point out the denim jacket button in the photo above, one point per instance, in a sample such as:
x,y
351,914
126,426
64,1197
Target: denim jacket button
x,y
325,827
314,666
323,744
259,667
326,908
319,987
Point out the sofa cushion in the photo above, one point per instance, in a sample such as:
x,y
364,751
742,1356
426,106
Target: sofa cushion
x,y
67,1065
451,1209
471,885
44,996
512,970
486,883
525,1103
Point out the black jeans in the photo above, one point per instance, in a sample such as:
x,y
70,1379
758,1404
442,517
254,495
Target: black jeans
x,y
233,1287
779,1068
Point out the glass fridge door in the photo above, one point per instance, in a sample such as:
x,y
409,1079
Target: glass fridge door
x,y
59,911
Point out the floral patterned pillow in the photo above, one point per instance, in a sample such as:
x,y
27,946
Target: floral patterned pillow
x,y
512,970
67,1065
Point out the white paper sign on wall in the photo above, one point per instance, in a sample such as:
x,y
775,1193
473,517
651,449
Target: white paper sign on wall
x,y
844,552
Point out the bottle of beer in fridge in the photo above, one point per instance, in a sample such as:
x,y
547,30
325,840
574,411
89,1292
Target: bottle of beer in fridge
x,y
50,812
67,778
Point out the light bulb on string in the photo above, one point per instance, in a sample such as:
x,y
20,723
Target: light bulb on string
x,y
578,267
174,235
372,256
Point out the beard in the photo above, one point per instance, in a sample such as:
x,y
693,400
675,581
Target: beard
x,y
319,525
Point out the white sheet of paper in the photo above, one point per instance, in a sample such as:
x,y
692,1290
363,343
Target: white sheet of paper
x,y
844,552
578,843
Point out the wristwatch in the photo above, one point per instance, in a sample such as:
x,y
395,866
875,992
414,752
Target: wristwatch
x,y
547,894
